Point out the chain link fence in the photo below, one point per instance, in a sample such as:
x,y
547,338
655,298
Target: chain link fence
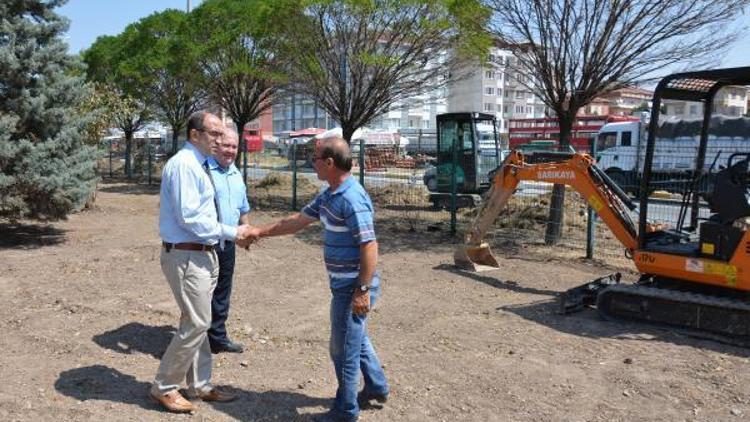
x,y
397,180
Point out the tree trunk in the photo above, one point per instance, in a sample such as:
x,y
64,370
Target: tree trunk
x,y
241,160
128,154
557,204
347,131
175,138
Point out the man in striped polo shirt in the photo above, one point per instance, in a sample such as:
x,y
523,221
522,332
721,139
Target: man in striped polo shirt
x,y
350,254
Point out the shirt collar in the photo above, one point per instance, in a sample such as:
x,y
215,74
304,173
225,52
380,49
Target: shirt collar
x,y
346,184
196,152
214,165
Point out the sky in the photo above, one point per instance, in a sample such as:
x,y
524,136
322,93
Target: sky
x,y
92,18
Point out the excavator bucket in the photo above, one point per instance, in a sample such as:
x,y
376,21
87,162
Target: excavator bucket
x,y
475,258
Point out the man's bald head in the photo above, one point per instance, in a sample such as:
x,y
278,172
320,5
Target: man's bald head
x,y
337,149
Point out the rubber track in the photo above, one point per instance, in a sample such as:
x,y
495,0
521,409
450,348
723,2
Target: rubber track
x,y
717,318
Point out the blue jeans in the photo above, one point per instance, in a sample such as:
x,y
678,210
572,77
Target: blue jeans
x,y
352,352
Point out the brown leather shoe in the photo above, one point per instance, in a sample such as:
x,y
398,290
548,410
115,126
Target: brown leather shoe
x,y
216,395
174,402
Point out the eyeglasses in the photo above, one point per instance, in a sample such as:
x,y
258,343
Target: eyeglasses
x,y
212,133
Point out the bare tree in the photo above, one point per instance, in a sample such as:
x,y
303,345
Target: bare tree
x,y
577,50
356,59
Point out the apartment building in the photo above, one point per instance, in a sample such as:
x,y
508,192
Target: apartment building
x,y
620,102
418,112
295,112
497,88
729,101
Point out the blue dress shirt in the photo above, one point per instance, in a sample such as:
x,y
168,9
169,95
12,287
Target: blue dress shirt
x,y
187,213
231,192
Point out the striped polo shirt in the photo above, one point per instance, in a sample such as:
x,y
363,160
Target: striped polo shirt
x,y
347,216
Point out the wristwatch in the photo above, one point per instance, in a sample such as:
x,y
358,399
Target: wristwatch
x,y
363,288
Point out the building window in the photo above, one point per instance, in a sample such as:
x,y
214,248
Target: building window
x,y
505,108
489,107
519,94
693,110
489,74
519,109
489,90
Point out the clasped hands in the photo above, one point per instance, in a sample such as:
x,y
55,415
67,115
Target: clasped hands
x,y
247,235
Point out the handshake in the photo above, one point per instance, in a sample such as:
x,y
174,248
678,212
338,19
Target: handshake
x,y
247,235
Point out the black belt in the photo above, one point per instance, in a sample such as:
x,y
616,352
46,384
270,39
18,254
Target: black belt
x,y
187,246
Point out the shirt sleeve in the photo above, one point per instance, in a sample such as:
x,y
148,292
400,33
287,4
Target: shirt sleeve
x,y
312,209
196,216
245,206
359,220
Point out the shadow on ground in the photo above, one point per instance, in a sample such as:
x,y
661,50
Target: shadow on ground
x,y
29,236
99,382
135,337
589,324
495,282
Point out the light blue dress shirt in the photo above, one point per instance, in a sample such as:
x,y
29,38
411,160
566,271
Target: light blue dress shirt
x,y
231,192
187,213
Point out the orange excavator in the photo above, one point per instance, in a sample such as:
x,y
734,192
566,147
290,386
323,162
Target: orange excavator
x,y
694,274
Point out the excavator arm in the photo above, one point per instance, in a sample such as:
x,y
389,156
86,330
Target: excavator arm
x,y
575,170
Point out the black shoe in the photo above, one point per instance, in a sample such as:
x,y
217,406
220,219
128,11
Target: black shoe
x,y
332,416
364,397
228,347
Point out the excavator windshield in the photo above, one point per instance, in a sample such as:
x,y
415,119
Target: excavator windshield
x,y
467,145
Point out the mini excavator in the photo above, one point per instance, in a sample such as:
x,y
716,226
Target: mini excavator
x,y
695,275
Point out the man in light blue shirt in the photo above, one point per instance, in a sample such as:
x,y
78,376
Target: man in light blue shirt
x,y
190,230
231,196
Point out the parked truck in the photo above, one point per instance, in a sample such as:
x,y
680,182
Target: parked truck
x,y
621,148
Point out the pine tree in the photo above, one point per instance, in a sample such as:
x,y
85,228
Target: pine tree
x,y
46,169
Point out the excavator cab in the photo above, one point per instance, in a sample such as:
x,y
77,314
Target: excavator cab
x,y
715,196
468,148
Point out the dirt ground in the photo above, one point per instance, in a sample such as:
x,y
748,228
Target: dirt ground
x,y
85,314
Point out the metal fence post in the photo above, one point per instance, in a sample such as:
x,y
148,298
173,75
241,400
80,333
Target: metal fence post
x,y
362,162
294,176
454,201
110,158
591,223
150,160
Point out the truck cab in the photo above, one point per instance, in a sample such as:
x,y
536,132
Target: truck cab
x,y
617,152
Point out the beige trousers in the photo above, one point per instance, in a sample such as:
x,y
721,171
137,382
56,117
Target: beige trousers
x,y
192,276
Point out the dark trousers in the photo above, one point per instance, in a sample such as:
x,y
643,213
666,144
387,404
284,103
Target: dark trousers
x,y
217,334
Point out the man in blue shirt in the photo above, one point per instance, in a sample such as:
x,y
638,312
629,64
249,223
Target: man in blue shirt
x,y
231,196
190,230
350,255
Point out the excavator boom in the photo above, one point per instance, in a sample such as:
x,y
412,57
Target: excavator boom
x,y
576,170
